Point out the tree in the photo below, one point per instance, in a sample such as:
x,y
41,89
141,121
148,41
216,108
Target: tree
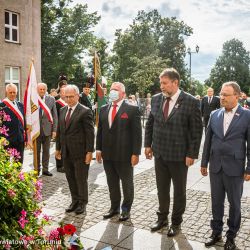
x,y
66,33
150,37
232,65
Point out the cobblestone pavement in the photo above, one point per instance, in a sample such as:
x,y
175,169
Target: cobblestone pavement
x,y
91,227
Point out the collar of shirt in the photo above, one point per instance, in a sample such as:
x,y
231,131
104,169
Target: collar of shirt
x,y
118,104
231,111
175,96
72,108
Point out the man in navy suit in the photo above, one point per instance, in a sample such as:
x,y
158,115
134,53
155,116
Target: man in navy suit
x,y
118,143
16,125
225,150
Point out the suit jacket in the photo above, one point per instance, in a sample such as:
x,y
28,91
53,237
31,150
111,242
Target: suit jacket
x,y
180,135
45,124
207,108
84,100
16,130
124,138
78,138
229,151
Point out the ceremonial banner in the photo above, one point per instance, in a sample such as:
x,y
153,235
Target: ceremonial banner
x,y
31,106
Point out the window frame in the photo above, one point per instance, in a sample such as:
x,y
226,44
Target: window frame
x,y
12,27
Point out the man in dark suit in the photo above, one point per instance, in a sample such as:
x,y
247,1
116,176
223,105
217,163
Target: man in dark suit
x,y
118,143
208,104
48,125
85,98
225,150
173,134
75,144
16,126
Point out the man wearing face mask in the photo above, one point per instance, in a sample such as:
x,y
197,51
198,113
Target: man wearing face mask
x,y
118,143
173,134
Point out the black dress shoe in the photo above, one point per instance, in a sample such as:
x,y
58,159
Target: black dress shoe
x,y
81,208
173,230
124,216
213,239
47,173
230,244
111,213
72,207
159,225
61,170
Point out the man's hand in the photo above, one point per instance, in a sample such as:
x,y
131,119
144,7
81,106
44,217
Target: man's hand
x,y
134,160
204,171
58,155
247,177
148,153
189,161
98,156
53,135
88,157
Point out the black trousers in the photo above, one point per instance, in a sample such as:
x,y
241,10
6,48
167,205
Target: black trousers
x,y
116,171
19,146
222,184
165,172
43,143
77,176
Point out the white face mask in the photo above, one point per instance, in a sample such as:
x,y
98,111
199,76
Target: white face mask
x,y
113,95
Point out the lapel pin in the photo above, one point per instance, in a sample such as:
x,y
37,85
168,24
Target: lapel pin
x,y
237,114
177,105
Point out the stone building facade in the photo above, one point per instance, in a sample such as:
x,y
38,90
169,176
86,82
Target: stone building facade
x,y
20,42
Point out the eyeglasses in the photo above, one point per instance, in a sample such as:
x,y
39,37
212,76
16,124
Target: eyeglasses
x,y
70,97
226,95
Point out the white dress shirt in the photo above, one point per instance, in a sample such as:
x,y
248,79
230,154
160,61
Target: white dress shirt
x,y
172,102
228,117
72,110
111,109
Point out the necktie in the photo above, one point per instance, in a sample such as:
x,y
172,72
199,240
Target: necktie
x,y
166,108
209,100
68,117
114,110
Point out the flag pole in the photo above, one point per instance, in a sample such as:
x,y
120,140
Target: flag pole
x,y
96,98
35,161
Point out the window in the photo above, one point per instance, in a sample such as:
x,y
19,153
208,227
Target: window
x,y
12,75
11,27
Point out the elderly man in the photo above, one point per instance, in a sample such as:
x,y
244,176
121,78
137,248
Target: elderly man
x,y
173,134
118,143
16,126
208,104
227,144
75,145
48,126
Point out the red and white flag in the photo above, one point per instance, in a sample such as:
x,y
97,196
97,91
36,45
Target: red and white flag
x,y
31,106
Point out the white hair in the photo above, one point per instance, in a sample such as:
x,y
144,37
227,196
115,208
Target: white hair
x,y
122,86
42,84
10,85
72,87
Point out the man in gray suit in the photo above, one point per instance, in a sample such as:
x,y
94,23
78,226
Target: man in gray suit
x,y
225,150
173,134
75,144
48,126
